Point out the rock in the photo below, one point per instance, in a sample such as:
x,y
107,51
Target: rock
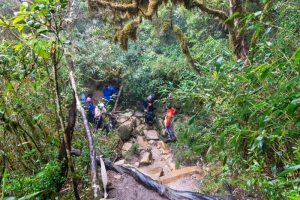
x,y
139,114
160,126
127,146
146,158
127,114
139,129
151,134
136,164
165,157
152,176
178,174
125,129
121,162
121,120
165,152
171,165
137,121
157,172
161,144
140,140
117,176
151,142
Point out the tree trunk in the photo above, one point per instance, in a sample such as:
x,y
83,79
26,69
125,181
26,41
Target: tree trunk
x,y
94,175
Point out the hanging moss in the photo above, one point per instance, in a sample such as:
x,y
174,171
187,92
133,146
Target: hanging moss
x,y
153,6
167,24
182,39
128,32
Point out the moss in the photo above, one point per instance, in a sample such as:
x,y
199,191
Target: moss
x,y
131,30
128,32
180,37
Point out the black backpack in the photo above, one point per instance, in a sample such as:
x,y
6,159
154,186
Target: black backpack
x,y
150,118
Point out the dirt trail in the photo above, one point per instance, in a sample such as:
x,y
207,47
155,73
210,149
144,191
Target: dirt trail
x,y
153,158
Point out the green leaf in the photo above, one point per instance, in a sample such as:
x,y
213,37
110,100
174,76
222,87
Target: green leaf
x,y
289,170
30,196
232,16
222,140
192,119
4,183
294,198
17,19
241,78
257,141
9,86
260,67
292,106
185,134
257,107
17,46
219,63
297,180
39,47
297,58
264,74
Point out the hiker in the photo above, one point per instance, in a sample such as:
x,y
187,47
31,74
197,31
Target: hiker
x,y
168,122
99,112
108,92
110,124
149,119
82,98
147,104
90,109
89,94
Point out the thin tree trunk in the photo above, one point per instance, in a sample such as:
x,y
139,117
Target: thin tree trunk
x,y
94,175
65,148
116,103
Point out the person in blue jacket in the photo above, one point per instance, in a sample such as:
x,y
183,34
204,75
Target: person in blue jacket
x,y
107,94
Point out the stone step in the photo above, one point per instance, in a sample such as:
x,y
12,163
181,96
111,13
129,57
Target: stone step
x,y
179,174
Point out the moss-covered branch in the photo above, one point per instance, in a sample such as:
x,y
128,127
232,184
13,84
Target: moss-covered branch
x,y
128,32
217,13
180,37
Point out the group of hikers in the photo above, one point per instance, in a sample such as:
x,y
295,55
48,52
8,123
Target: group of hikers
x,y
100,114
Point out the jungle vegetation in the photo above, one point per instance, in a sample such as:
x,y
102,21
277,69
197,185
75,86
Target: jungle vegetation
x,y
230,66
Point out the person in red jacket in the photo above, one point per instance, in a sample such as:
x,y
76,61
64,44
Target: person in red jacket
x,y
168,121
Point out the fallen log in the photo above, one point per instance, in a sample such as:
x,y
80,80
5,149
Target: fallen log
x,y
157,187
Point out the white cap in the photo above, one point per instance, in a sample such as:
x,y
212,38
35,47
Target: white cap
x,y
101,105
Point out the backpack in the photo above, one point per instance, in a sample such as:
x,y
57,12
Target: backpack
x,y
150,118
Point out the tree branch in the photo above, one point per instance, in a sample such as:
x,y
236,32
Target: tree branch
x,y
94,174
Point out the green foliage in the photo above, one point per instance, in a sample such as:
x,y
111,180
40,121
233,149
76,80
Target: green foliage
x,y
44,182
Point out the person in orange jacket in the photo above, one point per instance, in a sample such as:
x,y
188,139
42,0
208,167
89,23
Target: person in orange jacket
x,y
168,121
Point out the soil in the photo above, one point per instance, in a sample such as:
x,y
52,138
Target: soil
x,y
124,187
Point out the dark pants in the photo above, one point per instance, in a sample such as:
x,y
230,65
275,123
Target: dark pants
x,y
90,117
98,122
107,127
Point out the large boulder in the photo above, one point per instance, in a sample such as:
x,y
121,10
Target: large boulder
x,y
125,129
